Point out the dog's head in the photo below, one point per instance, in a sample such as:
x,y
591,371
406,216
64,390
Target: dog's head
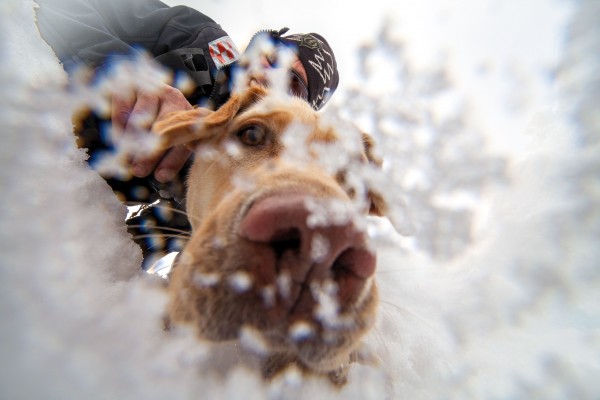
x,y
276,250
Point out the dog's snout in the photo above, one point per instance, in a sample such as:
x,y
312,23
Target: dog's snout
x,y
308,253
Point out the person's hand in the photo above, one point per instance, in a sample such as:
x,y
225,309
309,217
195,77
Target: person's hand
x,y
139,111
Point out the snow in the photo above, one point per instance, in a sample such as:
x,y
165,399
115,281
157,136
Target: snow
x,y
490,133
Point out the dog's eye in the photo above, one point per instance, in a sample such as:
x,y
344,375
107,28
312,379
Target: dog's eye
x,y
253,135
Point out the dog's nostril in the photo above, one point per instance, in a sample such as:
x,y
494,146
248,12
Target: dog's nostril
x,y
341,266
354,261
350,272
284,240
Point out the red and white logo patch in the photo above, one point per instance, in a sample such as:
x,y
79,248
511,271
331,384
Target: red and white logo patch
x,y
223,51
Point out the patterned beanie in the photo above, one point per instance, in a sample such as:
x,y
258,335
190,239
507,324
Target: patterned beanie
x,y
318,61
314,53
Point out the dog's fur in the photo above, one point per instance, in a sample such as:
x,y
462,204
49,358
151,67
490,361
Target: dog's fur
x,y
220,283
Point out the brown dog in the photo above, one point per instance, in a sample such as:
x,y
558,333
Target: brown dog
x,y
256,261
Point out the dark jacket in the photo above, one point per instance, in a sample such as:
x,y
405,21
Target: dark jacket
x,y
93,32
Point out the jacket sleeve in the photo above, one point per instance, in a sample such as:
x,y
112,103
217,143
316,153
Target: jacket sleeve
x,y
90,32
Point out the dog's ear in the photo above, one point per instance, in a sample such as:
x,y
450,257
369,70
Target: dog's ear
x,y
181,127
236,104
190,126
378,205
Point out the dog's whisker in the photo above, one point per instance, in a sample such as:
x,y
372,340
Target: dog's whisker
x,y
139,203
160,236
412,314
379,337
164,207
164,228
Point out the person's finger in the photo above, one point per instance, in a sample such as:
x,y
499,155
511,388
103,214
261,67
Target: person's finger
x,y
171,163
144,111
143,166
142,116
121,108
172,100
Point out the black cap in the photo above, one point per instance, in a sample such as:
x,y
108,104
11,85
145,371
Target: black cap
x,y
319,62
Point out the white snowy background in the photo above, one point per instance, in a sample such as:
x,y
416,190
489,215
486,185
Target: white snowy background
x,y
486,112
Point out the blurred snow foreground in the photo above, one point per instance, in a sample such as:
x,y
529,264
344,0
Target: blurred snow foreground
x,y
496,295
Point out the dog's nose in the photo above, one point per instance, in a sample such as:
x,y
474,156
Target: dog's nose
x,y
309,252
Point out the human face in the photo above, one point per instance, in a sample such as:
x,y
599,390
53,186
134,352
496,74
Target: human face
x,y
298,79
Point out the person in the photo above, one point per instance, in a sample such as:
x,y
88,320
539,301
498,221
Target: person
x,y
99,34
